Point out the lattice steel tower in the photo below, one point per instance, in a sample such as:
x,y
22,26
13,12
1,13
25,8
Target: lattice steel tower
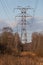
x,y
23,16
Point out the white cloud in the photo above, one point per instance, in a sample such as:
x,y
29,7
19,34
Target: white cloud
x,y
37,25
6,22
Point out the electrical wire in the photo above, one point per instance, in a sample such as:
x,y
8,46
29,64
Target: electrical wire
x,y
2,5
5,3
4,8
35,8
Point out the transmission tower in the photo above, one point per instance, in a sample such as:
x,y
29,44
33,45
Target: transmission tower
x,y
23,22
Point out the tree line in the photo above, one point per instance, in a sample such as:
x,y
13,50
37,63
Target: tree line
x,y
9,41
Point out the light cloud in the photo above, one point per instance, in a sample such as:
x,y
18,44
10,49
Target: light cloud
x,y
4,23
37,25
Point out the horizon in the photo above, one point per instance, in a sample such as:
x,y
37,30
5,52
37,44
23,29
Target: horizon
x,y
7,15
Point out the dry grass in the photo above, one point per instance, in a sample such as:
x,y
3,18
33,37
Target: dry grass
x,y
17,60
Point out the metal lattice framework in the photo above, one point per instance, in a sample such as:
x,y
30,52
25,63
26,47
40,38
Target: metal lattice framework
x,y
23,22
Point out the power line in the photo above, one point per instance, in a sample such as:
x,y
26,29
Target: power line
x,y
4,9
34,10
2,5
5,3
6,6
36,5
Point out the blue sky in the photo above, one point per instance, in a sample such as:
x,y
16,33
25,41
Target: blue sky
x,y
8,13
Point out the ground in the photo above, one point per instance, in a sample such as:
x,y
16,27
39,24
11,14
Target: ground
x,y
23,59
